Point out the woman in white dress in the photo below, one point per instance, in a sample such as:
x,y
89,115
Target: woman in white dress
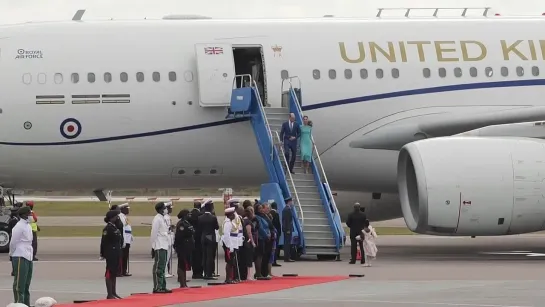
x,y
369,243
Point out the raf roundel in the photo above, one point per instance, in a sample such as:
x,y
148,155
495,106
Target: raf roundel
x,y
70,128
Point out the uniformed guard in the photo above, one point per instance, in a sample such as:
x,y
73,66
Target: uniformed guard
x,y
197,256
111,250
237,221
33,218
14,218
168,219
160,242
119,226
127,238
20,251
184,244
229,242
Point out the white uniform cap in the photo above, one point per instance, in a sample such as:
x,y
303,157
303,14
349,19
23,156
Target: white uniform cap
x,y
206,202
125,205
229,210
45,302
169,204
233,200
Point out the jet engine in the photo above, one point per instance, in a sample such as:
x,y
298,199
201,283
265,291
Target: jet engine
x,y
473,186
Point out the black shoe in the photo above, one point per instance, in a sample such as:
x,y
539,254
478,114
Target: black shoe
x,y
352,262
127,275
197,277
111,297
162,291
117,297
35,259
276,264
289,260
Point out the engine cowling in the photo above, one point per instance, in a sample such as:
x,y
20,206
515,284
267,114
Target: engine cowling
x,y
473,186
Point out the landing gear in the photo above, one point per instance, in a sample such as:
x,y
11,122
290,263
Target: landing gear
x,y
6,216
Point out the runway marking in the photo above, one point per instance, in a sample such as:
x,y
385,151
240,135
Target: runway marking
x,y
382,302
56,291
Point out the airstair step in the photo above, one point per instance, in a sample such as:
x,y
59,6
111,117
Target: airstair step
x,y
276,110
319,241
320,250
314,214
304,189
311,227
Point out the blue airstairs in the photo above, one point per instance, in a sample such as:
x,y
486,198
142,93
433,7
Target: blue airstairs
x,y
318,225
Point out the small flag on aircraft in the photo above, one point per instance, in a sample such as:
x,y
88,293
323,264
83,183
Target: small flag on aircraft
x,y
467,202
213,50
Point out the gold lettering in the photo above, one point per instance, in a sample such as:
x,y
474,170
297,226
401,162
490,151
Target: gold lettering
x,y
532,50
440,50
465,52
420,48
390,55
403,52
513,48
360,58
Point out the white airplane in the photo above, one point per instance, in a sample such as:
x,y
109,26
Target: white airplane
x,y
141,104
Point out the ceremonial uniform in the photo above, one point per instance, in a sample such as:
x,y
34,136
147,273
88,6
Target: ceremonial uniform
x,y
119,226
196,255
127,238
168,269
160,242
230,243
184,244
21,253
111,250
33,219
14,219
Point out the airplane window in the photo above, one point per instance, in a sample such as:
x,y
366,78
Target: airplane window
x,y
520,71
442,72
27,78
284,74
124,77
172,76
140,76
316,74
58,78
42,78
364,74
535,71
156,76
75,78
395,73
457,72
332,74
504,71
91,77
348,73
426,72
107,77
489,72
380,73
473,72
188,76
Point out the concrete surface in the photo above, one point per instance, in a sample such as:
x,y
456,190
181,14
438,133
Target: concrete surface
x,y
410,271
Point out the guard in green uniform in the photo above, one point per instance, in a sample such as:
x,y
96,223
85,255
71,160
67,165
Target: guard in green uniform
x,y
20,251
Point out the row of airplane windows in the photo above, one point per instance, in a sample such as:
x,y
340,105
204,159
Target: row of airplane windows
x,y
316,74
426,72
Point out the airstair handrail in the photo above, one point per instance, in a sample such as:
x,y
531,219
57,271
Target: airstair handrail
x,y
435,10
291,178
261,108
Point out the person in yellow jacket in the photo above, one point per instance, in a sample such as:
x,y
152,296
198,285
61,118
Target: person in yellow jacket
x,y
33,218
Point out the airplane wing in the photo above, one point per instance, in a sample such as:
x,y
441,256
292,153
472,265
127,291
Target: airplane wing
x,y
395,136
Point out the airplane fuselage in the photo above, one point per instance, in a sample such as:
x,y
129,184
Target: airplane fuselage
x,y
115,104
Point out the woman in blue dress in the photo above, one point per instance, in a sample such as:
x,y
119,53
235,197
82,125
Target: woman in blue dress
x,y
306,144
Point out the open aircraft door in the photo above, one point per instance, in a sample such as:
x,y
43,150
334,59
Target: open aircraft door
x,y
215,70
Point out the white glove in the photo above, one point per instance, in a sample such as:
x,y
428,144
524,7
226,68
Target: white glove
x,y
100,258
358,238
231,250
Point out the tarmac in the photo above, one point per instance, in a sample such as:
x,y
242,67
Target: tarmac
x,y
410,271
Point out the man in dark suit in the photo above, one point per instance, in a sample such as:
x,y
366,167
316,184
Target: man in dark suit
x,y
287,228
208,223
289,134
196,256
278,226
355,222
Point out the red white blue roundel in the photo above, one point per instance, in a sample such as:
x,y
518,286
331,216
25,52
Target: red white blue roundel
x,y
70,128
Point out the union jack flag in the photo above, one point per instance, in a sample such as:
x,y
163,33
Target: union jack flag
x,y
213,50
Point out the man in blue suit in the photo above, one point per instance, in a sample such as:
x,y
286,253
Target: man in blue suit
x,y
289,134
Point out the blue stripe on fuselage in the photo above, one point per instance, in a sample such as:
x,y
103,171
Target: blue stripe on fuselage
x,y
430,90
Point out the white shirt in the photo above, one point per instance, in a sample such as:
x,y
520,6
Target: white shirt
x,y
170,232
229,241
21,240
127,229
160,238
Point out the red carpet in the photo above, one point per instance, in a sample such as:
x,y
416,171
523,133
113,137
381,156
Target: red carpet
x,y
180,296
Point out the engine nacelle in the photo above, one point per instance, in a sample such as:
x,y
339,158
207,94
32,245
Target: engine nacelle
x,y
473,186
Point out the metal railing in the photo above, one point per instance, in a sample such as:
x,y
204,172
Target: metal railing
x,y
252,83
291,177
435,10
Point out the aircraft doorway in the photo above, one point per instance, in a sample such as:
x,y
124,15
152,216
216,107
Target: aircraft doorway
x,y
249,60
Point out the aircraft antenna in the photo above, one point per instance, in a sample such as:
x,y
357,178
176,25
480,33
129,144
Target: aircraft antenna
x,y
78,15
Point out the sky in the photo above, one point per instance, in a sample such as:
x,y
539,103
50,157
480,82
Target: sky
x,y
17,11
